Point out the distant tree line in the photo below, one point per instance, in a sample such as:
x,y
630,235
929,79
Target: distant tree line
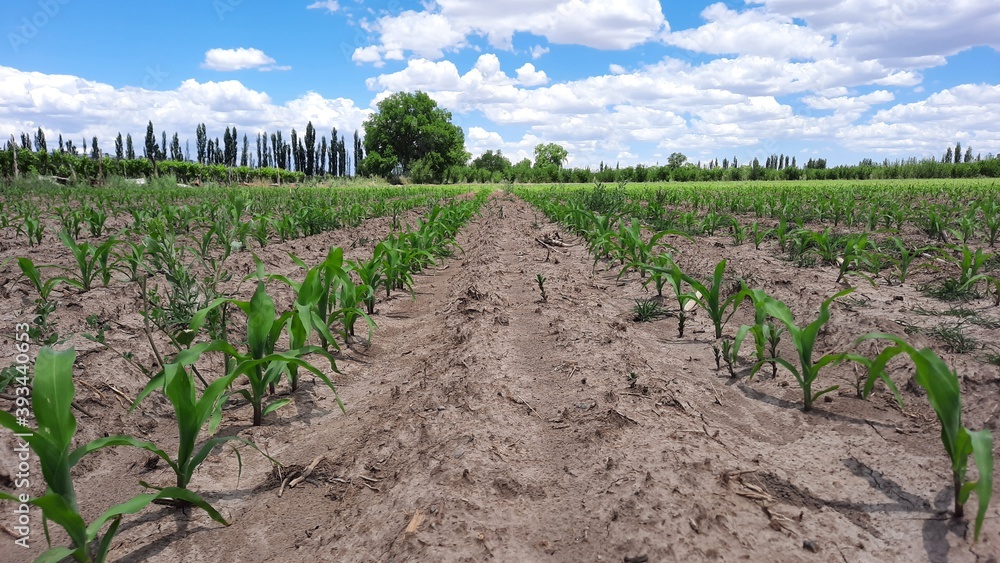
x,y
273,158
214,159
493,166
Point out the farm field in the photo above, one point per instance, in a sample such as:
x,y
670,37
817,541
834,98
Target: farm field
x,y
505,402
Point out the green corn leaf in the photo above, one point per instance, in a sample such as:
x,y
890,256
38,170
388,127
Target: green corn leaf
x,y
275,405
53,395
58,509
139,502
982,454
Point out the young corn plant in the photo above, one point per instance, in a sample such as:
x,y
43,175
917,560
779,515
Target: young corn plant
x,y
758,234
261,229
261,364
34,275
33,228
658,268
91,261
804,339
710,298
540,280
730,352
970,263
306,316
71,220
766,334
350,297
396,262
372,275
96,219
991,222
906,258
825,244
42,330
944,395
51,441
673,276
191,413
130,261
854,256
738,232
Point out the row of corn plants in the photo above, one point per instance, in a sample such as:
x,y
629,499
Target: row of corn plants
x,y
277,346
597,216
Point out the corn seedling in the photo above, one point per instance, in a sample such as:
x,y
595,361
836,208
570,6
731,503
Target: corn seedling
x,y
758,234
131,259
91,261
372,275
738,232
260,229
966,227
540,280
804,340
395,264
730,352
766,334
33,229
713,221
192,413
96,218
658,269
350,297
944,395
51,441
262,366
673,276
853,257
710,299
34,275
991,222
71,220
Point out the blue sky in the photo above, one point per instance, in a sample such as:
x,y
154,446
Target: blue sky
x,y
611,80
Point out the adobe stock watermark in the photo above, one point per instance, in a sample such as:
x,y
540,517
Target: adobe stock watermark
x,y
899,12
21,387
30,26
223,7
154,77
347,48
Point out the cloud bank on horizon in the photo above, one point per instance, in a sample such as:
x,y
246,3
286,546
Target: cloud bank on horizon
x,y
611,80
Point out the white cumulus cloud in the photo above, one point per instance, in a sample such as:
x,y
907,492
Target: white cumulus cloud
x,y
528,76
226,60
446,24
330,6
77,108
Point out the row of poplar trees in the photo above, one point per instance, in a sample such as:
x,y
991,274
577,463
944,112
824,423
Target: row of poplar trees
x,y
299,153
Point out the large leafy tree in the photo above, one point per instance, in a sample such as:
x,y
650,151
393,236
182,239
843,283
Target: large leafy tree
x,y
492,161
410,135
550,154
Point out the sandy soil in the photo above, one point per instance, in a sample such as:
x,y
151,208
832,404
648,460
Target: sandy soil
x,y
485,424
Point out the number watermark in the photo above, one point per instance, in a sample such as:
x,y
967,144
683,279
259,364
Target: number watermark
x,y
21,387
